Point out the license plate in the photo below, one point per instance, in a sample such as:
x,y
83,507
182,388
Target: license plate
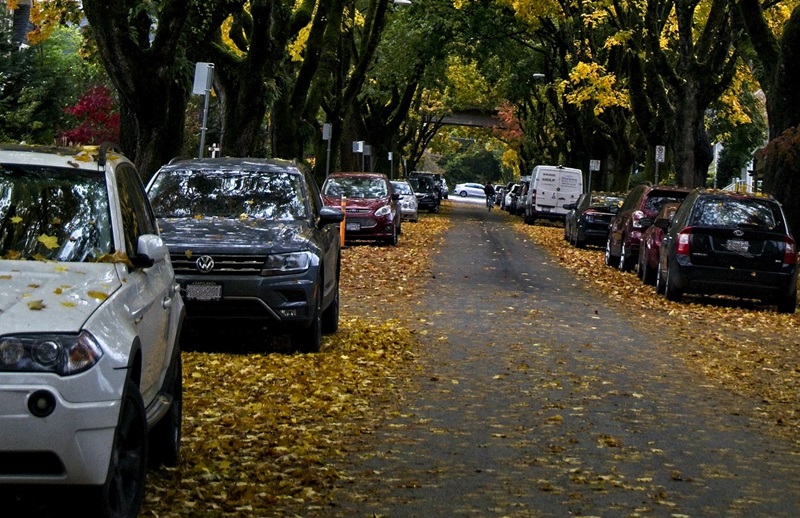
x,y
352,226
203,291
545,209
737,245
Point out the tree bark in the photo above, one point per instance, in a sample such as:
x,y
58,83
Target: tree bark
x,y
153,92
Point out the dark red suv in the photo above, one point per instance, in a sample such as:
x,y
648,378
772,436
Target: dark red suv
x,y
370,205
625,231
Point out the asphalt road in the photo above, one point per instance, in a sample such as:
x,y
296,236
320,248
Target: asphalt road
x,y
536,397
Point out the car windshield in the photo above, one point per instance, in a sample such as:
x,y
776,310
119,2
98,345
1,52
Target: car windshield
x,y
267,195
734,212
402,188
421,184
54,214
356,187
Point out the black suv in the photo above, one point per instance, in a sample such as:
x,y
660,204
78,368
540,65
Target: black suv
x,y
428,196
727,243
251,243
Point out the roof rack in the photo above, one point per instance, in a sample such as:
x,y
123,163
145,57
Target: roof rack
x,y
103,152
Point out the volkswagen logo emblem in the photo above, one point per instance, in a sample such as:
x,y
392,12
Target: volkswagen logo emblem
x,y
738,233
205,263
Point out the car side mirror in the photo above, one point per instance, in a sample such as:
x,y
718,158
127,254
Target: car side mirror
x,y
662,223
395,196
646,222
150,249
569,206
614,209
329,215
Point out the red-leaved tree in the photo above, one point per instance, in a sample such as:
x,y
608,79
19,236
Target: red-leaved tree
x,y
97,118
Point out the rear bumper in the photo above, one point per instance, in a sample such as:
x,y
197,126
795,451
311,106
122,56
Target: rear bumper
x,y
737,282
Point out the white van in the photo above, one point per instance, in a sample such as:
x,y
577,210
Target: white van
x,y
551,187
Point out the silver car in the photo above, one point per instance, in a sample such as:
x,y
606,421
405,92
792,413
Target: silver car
x,y
90,315
409,209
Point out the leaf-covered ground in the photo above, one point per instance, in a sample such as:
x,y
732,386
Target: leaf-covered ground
x,y
747,347
262,430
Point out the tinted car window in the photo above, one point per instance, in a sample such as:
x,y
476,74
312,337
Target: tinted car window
x,y
421,184
54,214
731,212
402,188
230,194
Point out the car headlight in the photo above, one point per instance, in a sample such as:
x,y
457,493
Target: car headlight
x,y
293,262
384,211
60,354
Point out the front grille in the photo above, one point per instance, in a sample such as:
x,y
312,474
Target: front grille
x,y
30,463
229,308
223,264
364,223
358,211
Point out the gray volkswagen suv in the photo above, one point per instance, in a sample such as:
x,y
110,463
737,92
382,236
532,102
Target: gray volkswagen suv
x,y
252,245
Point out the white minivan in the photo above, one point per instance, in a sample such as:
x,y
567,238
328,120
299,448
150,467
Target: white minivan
x,y
552,186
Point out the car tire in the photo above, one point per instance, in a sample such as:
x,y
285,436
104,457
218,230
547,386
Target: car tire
x,y
330,317
463,194
787,304
610,260
165,436
659,281
122,494
624,262
309,339
670,291
648,274
392,240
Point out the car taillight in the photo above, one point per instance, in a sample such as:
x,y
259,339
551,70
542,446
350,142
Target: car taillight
x,y
591,214
683,241
533,196
789,251
636,218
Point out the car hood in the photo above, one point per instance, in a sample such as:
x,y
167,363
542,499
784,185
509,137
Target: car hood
x,y
231,235
39,296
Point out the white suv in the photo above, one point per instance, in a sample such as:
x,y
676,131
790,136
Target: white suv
x,y
90,317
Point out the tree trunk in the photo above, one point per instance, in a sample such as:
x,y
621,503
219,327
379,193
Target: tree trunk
x,y
153,93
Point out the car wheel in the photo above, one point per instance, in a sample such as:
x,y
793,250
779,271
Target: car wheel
x,y
434,209
610,260
309,339
123,492
648,274
659,281
330,317
670,291
787,304
624,262
392,240
165,436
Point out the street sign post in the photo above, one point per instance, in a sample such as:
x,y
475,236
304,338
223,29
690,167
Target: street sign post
x,y
660,151
203,81
594,165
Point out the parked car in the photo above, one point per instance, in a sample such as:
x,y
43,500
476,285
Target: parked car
x,y
651,242
727,243
253,246
469,189
518,206
439,182
407,203
370,205
90,362
587,219
427,195
551,187
510,197
625,231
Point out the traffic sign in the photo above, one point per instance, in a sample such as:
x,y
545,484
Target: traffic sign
x,y
660,153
